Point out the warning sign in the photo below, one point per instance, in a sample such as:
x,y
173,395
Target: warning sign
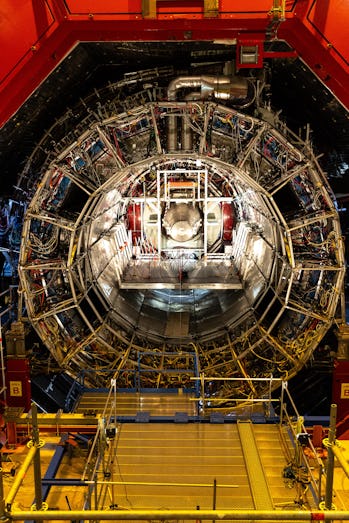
x,y
16,388
345,391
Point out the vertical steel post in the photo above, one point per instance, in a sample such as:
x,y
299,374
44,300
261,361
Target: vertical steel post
x,y
320,482
269,396
96,493
214,504
36,459
330,458
283,386
202,388
205,212
2,498
158,195
3,378
299,429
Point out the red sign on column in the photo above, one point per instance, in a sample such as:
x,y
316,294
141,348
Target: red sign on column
x,y
18,387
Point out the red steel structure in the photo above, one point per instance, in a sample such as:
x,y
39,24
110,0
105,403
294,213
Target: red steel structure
x,y
36,36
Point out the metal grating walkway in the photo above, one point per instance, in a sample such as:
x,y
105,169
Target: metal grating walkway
x,y
258,482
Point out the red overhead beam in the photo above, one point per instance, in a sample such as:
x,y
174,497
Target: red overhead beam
x,y
36,35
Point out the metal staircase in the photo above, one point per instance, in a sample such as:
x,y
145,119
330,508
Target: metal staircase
x,y
158,453
180,466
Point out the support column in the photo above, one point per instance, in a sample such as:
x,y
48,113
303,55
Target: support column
x,y
330,459
2,498
36,460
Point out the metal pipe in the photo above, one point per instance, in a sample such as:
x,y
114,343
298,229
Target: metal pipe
x,y
214,501
81,483
342,461
172,130
282,402
181,83
129,515
237,400
65,482
95,495
6,311
2,499
224,87
19,478
36,460
212,378
330,457
2,364
187,134
321,471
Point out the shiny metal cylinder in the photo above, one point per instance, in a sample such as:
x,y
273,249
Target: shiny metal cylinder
x,y
172,130
20,477
187,135
223,87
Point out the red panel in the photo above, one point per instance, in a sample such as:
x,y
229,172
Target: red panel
x,y
33,69
319,33
340,395
331,25
18,387
36,36
76,7
102,7
228,220
37,65
134,221
17,37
